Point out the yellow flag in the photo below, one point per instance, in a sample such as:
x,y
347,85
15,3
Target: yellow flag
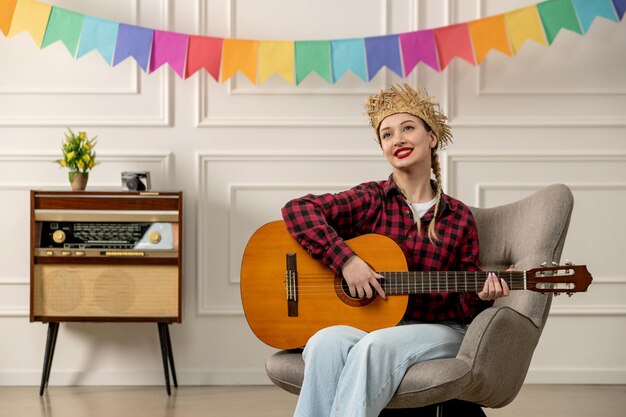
x,y
276,56
239,55
32,16
489,33
523,24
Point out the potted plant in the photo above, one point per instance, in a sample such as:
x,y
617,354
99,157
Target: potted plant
x,y
79,156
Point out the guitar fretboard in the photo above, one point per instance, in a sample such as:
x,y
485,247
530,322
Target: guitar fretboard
x,y
423,282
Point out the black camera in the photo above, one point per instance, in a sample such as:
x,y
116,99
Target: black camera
x,y
136,181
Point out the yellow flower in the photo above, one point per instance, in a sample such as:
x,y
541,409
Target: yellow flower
x,y
92,164
80,164
86,158
87,146
82,135
70,156
63,163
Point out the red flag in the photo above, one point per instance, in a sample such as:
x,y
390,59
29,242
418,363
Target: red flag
x,y
454,40
204,52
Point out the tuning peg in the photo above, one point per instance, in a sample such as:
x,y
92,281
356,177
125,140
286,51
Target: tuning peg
x,y
568,262
555,263
544,264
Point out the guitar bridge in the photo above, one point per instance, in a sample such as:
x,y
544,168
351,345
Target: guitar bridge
x,y
291,275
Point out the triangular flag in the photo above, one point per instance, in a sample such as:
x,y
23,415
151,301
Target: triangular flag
x,y
489,33
313,56
99,34
383,51
418,46
276,56
454,40
65,26
348,54
171,48
133,41
204,52
522,25
240,55
620,8
557,15
32,16
7,7
588,10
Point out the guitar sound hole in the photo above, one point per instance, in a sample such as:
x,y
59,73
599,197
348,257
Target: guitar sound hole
x,y
343,292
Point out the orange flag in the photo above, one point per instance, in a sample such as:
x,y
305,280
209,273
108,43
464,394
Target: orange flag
x,y
524,24
7,7
239,55
489,33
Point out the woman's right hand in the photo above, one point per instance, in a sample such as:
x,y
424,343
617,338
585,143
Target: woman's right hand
x,y
361,279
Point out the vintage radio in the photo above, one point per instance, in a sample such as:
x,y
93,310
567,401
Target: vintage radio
x,y
106,256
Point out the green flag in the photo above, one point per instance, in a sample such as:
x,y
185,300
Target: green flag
x,y
65,26
313,56
557,15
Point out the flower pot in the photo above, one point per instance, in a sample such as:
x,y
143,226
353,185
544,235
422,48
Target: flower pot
x,y
78,180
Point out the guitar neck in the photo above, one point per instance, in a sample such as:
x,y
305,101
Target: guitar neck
x,y
424,282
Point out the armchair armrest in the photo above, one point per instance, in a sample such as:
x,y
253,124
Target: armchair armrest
x,y
488,345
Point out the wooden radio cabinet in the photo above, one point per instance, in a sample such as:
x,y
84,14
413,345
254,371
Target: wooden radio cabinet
x,y
106,257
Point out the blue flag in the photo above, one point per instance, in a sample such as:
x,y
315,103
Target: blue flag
x,y
133,41
348,54
99,34
383,51
588,10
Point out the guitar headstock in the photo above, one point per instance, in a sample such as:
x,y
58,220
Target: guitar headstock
x,y
558,279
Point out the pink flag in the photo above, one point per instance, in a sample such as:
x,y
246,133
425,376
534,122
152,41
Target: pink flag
x,y
418,46
169,47
454,40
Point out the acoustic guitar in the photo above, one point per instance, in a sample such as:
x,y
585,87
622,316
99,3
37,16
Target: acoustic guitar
x,y
288,296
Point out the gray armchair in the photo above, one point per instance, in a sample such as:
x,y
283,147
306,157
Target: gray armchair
x,y
492,363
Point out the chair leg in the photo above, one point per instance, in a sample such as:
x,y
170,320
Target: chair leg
x,y
454,408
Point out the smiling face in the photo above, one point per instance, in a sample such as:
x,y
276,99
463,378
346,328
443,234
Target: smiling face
x,y
406,142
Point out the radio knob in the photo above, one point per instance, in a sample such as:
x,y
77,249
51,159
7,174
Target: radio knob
x,y
155,237
58,236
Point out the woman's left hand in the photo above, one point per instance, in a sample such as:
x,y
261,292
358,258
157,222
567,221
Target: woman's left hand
x,y
494,288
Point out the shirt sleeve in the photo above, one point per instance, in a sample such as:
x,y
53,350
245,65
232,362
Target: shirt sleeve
x,y
320,222
470,303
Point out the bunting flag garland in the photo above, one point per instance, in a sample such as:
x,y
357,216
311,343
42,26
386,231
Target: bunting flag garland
x,y
313,56
7,8
133,41
204,52
171,48
488,34
98,34
65,26
295,60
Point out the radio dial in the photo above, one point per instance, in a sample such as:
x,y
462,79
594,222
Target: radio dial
x,y
58,236
155,237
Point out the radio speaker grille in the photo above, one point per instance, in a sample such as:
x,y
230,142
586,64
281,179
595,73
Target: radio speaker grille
x,y
105,291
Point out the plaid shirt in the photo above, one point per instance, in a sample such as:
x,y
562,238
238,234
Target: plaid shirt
x,y
321,222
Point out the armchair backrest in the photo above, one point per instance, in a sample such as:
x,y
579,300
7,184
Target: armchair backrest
x,y
525,234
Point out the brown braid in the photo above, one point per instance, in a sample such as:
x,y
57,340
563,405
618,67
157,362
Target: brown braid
x,y
434,158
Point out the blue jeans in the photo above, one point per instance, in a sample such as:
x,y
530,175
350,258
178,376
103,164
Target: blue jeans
x,y
349,372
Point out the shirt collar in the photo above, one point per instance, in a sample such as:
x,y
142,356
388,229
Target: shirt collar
x,y
391,188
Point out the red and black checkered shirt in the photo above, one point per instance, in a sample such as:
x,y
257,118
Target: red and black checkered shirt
x,y
321,222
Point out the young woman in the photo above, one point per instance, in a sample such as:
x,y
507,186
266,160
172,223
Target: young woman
x,y
352,373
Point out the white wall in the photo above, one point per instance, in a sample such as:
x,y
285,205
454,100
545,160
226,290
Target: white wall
x,y
238,151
